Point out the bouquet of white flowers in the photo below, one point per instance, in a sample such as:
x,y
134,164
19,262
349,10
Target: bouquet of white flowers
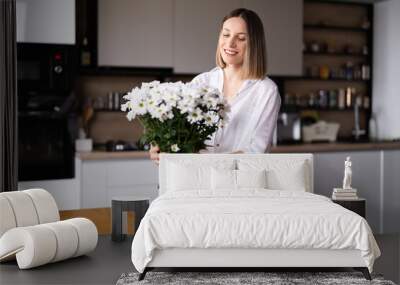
x,y
177,117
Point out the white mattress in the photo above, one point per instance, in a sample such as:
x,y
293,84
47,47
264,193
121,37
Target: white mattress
x,y
253,218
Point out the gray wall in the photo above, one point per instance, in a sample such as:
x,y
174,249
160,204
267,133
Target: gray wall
x,y
386,71
375,176
329,171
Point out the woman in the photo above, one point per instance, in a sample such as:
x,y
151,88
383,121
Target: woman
x,y
240,75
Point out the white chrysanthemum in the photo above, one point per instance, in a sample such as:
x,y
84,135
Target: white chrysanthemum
x,y
211,119
124,107
201,104
141,108
131,115
175,148
195,116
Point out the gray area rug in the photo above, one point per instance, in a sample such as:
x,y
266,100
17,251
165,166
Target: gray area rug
x,y
231,278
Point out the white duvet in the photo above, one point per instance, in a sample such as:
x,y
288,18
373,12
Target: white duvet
x,y
250,219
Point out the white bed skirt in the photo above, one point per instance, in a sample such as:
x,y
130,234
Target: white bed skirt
x,y
192,257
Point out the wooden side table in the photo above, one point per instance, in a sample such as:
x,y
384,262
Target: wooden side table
x,y
138,204
357,206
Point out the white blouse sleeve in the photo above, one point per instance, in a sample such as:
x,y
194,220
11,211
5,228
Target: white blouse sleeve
x,y
266,115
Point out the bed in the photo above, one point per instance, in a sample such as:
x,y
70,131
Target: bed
x,y
247,211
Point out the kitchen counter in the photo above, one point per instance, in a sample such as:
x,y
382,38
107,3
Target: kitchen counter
x,y
101,155
293,148
336,147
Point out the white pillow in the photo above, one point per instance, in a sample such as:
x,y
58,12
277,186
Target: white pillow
x,y
293,178
282,174
223,179
226,179
183,178
188,175
251,178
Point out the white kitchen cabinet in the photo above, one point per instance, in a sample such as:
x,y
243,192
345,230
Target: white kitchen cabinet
x,y
46,21
196,30
93,184
66,192
103,179
329,171
283,27
135,33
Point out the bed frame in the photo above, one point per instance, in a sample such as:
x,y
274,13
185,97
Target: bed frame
x,y
237,259
250,259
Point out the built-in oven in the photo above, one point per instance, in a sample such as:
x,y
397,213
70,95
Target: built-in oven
x,y
43,70
45,146
46,111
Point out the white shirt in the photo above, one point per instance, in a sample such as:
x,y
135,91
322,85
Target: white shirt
x,y
252,116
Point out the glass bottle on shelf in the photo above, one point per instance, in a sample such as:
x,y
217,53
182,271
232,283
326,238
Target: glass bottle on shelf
x,y
349,70
333,99
350,92
341,98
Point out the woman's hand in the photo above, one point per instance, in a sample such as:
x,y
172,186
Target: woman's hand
x,y
154,153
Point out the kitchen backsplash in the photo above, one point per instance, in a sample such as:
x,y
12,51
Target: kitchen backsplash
x,y
108,124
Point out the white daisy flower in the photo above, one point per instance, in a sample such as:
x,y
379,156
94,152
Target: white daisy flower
x,y
175,148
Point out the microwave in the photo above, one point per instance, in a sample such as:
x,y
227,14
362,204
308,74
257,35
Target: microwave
x,y
44,70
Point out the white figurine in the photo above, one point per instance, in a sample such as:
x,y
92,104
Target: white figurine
x,y
347,174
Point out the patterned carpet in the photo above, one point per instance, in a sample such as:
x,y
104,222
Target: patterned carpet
x,y
243,278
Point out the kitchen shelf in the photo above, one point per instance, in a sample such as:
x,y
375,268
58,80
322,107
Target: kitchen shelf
x,y
309,78
289,109
125,71
335,54
336,28
109,111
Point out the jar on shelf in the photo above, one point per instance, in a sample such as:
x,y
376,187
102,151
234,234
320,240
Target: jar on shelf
x,y
315,46
323,98
341,98
333,99
312,99
349,70
324,72
350,96
365,72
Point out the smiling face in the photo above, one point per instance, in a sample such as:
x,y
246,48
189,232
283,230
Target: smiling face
x,y
233,40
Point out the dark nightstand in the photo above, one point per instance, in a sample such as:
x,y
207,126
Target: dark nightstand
x,y
357,206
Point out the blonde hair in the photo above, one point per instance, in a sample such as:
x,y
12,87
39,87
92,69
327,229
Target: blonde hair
x,y
255,59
